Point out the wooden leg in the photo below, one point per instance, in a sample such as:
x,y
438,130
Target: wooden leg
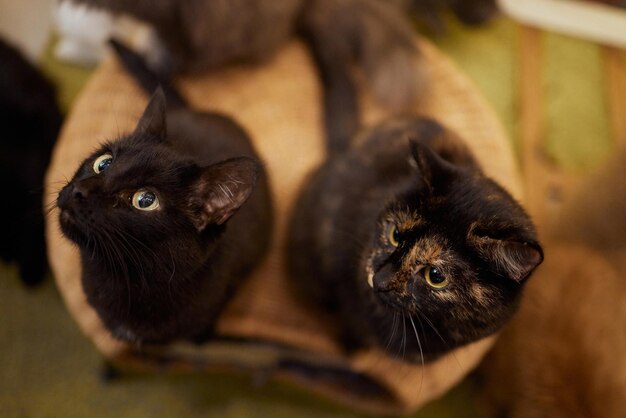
x,y
546,184
531,123
614,61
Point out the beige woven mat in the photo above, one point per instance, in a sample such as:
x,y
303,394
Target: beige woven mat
x,y
279,106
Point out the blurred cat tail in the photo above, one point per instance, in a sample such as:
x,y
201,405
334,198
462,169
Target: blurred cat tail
x,y
147,79
379,39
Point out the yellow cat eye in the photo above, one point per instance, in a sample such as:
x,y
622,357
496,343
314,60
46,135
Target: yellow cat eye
x,y
434,278
145,200
102,162
393,235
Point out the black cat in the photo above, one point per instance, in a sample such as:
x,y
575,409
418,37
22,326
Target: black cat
x,y
169,219
30,120
404,239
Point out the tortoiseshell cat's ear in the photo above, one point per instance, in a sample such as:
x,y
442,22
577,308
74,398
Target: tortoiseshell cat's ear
x,y
434,169
152,122
514,258
221,190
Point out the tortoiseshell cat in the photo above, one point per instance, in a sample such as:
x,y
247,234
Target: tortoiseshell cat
x,y
169,219
408,243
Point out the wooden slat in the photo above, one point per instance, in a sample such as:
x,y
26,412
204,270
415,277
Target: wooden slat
x,y
615,86
531,126
546,185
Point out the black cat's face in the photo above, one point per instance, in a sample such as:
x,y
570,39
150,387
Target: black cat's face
x,y
137,203
452,250
130,194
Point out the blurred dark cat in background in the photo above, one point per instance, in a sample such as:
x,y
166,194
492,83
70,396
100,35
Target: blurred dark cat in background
x,y
30,119
375,35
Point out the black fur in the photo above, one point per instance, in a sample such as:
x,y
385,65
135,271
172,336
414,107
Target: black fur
x,y
448,215
430,13
30,120
156,276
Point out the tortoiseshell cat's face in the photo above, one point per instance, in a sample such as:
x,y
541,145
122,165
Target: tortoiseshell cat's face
x,y
450,255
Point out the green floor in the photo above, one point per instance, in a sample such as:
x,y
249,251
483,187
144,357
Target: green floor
x,y
48,369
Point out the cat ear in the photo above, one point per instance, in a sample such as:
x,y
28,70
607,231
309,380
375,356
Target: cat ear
x,y
516,259
221,190
152,121
431,166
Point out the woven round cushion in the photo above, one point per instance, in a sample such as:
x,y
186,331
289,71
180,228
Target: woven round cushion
x,y
263,326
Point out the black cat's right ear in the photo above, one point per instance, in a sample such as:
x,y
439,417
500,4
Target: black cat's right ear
x,y
221,190
433,169
152,122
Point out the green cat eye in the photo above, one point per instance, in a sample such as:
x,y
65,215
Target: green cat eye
x,y
393,235
145,200
102,162
434,278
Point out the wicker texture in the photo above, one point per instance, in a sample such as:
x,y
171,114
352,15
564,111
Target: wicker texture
x,y
278,104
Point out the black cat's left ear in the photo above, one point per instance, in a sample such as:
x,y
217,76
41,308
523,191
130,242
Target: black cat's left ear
x,y
516,259
152,122
221,189
431,166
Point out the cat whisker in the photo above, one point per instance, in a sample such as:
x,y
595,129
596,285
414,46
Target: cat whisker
x,y
169,282
393,331
61,183
135,257
419,344
114,259
430,323
403,336
49,208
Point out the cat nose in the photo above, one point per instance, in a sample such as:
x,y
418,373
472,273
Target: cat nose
x,y
79,192
384,279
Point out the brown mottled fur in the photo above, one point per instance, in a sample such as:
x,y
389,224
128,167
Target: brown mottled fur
x,y
563,353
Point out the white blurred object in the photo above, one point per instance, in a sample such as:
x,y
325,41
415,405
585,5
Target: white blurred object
x,y
597,22
83,33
